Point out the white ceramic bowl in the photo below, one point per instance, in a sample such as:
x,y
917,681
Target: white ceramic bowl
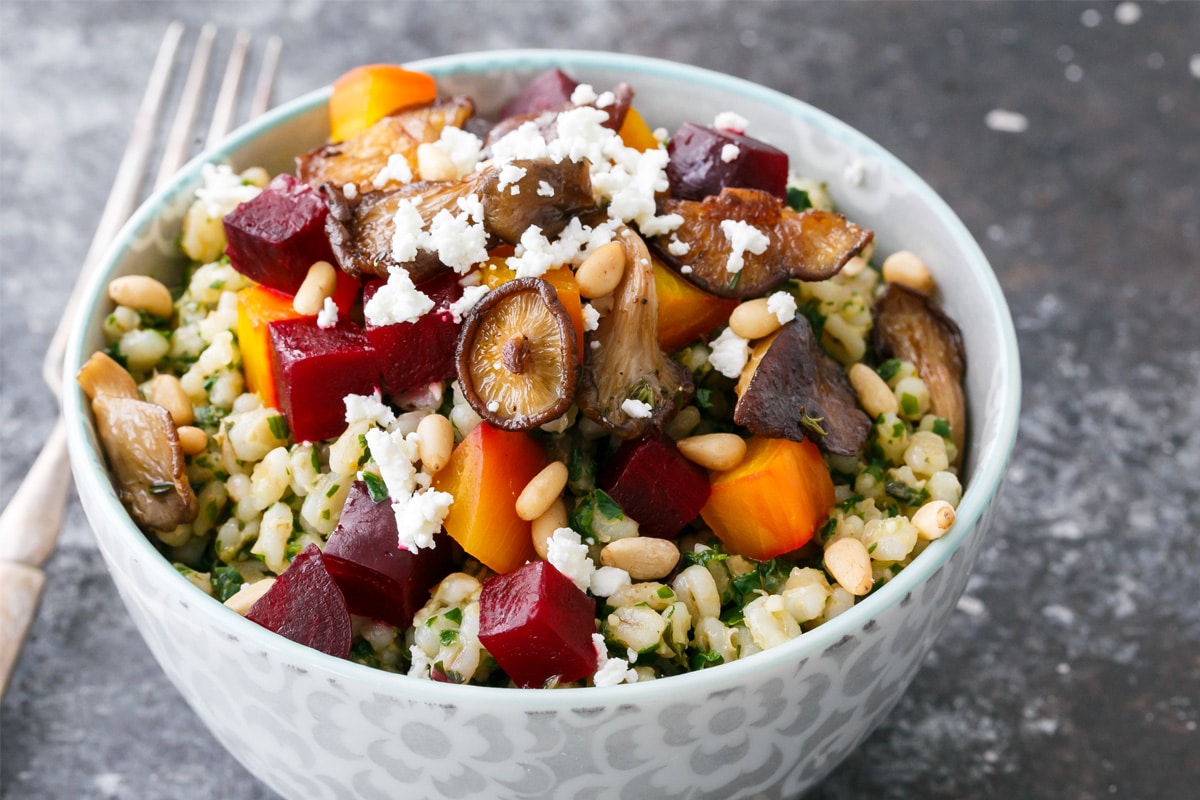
x,y
312,726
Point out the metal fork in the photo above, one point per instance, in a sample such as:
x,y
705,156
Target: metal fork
x,y
30,523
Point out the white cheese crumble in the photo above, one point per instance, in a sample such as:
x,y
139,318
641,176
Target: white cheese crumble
x,y
607,580
730,121
223,190
569,555
398,300
545,189
463,148
510,174
460,241
729,353
396,169
743,237
470,296
350,190
677,247
368,408
605,100
610,671
327,317
407,226
591,317
783,306
583,95
637,408
419,510
730,152
686,269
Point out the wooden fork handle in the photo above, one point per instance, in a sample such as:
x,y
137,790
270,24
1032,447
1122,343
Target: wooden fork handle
x,y
20,589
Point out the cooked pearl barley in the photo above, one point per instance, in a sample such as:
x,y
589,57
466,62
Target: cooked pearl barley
x,y
250,593
845,342
643,557
874,395
717,451
696,587
913,396
435,442
850,565
646,593
805,593
541,491
944,485
192,440
433,164
753,320
637,627
318,284
926,453
601,271
933,519
142,293
167,391
890,539
544,526
909,270
143,348
769,622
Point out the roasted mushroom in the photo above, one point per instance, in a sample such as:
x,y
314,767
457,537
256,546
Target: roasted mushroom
x,y
909,327
790,389
142,447
517,359
360,231
812,246
627,364
360,159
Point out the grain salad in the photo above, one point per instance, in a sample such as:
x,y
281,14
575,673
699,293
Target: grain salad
x,y
647,402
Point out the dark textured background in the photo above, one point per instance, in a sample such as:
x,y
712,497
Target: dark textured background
x,y
1073,668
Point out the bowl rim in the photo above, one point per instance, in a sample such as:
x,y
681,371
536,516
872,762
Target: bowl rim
x,y
982,488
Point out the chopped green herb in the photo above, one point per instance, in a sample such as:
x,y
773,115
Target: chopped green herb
x,y
279,426
702,659
581,469
333,490
733,282
664,592
898,430
704,398
703,557
594,509
798,199
448,637
941,427
225,582
375,487
909,404
454,615
828,529
315,459
889,369
906,494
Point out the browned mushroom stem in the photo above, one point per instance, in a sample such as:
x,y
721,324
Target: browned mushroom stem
x,y
142,447
360,231
359,159
812,246
517,356
628,364
909,327
791,389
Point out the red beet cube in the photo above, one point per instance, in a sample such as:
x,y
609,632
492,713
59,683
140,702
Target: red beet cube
x,y
314,369
538,625
653,483
278,235
698,166
549,91
306,606
412,354
378,578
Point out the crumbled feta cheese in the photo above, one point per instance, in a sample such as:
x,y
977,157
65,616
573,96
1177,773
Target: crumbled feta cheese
x,y
605,100
743,237
459,241
350,190
493,406
595,344
368,408
676,247
591,317
636,408
419,514
463,148
396,169
731,121
729,353
610,671
470,296
569,555
686,269
661,134
407,226
398,300
327,317
583,95
223,190
730,152
545,189
783,306
510,174
607,580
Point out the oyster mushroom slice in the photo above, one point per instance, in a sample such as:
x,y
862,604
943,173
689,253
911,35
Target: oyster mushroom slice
x,y
360,231
628,364
142,447
517,357
909,327
812,245
790,389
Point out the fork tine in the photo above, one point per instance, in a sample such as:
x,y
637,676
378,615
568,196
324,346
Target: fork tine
x,y
266,77
222,119
176,151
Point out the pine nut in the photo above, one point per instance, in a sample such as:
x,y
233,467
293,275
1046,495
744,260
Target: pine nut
x,y
601,271
435,442
543,528
854,267
541,491
142,293
874,395
907,269
192,440
849,563
933,519
718,451
167,391
433,164
318,284
643,557
751,320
